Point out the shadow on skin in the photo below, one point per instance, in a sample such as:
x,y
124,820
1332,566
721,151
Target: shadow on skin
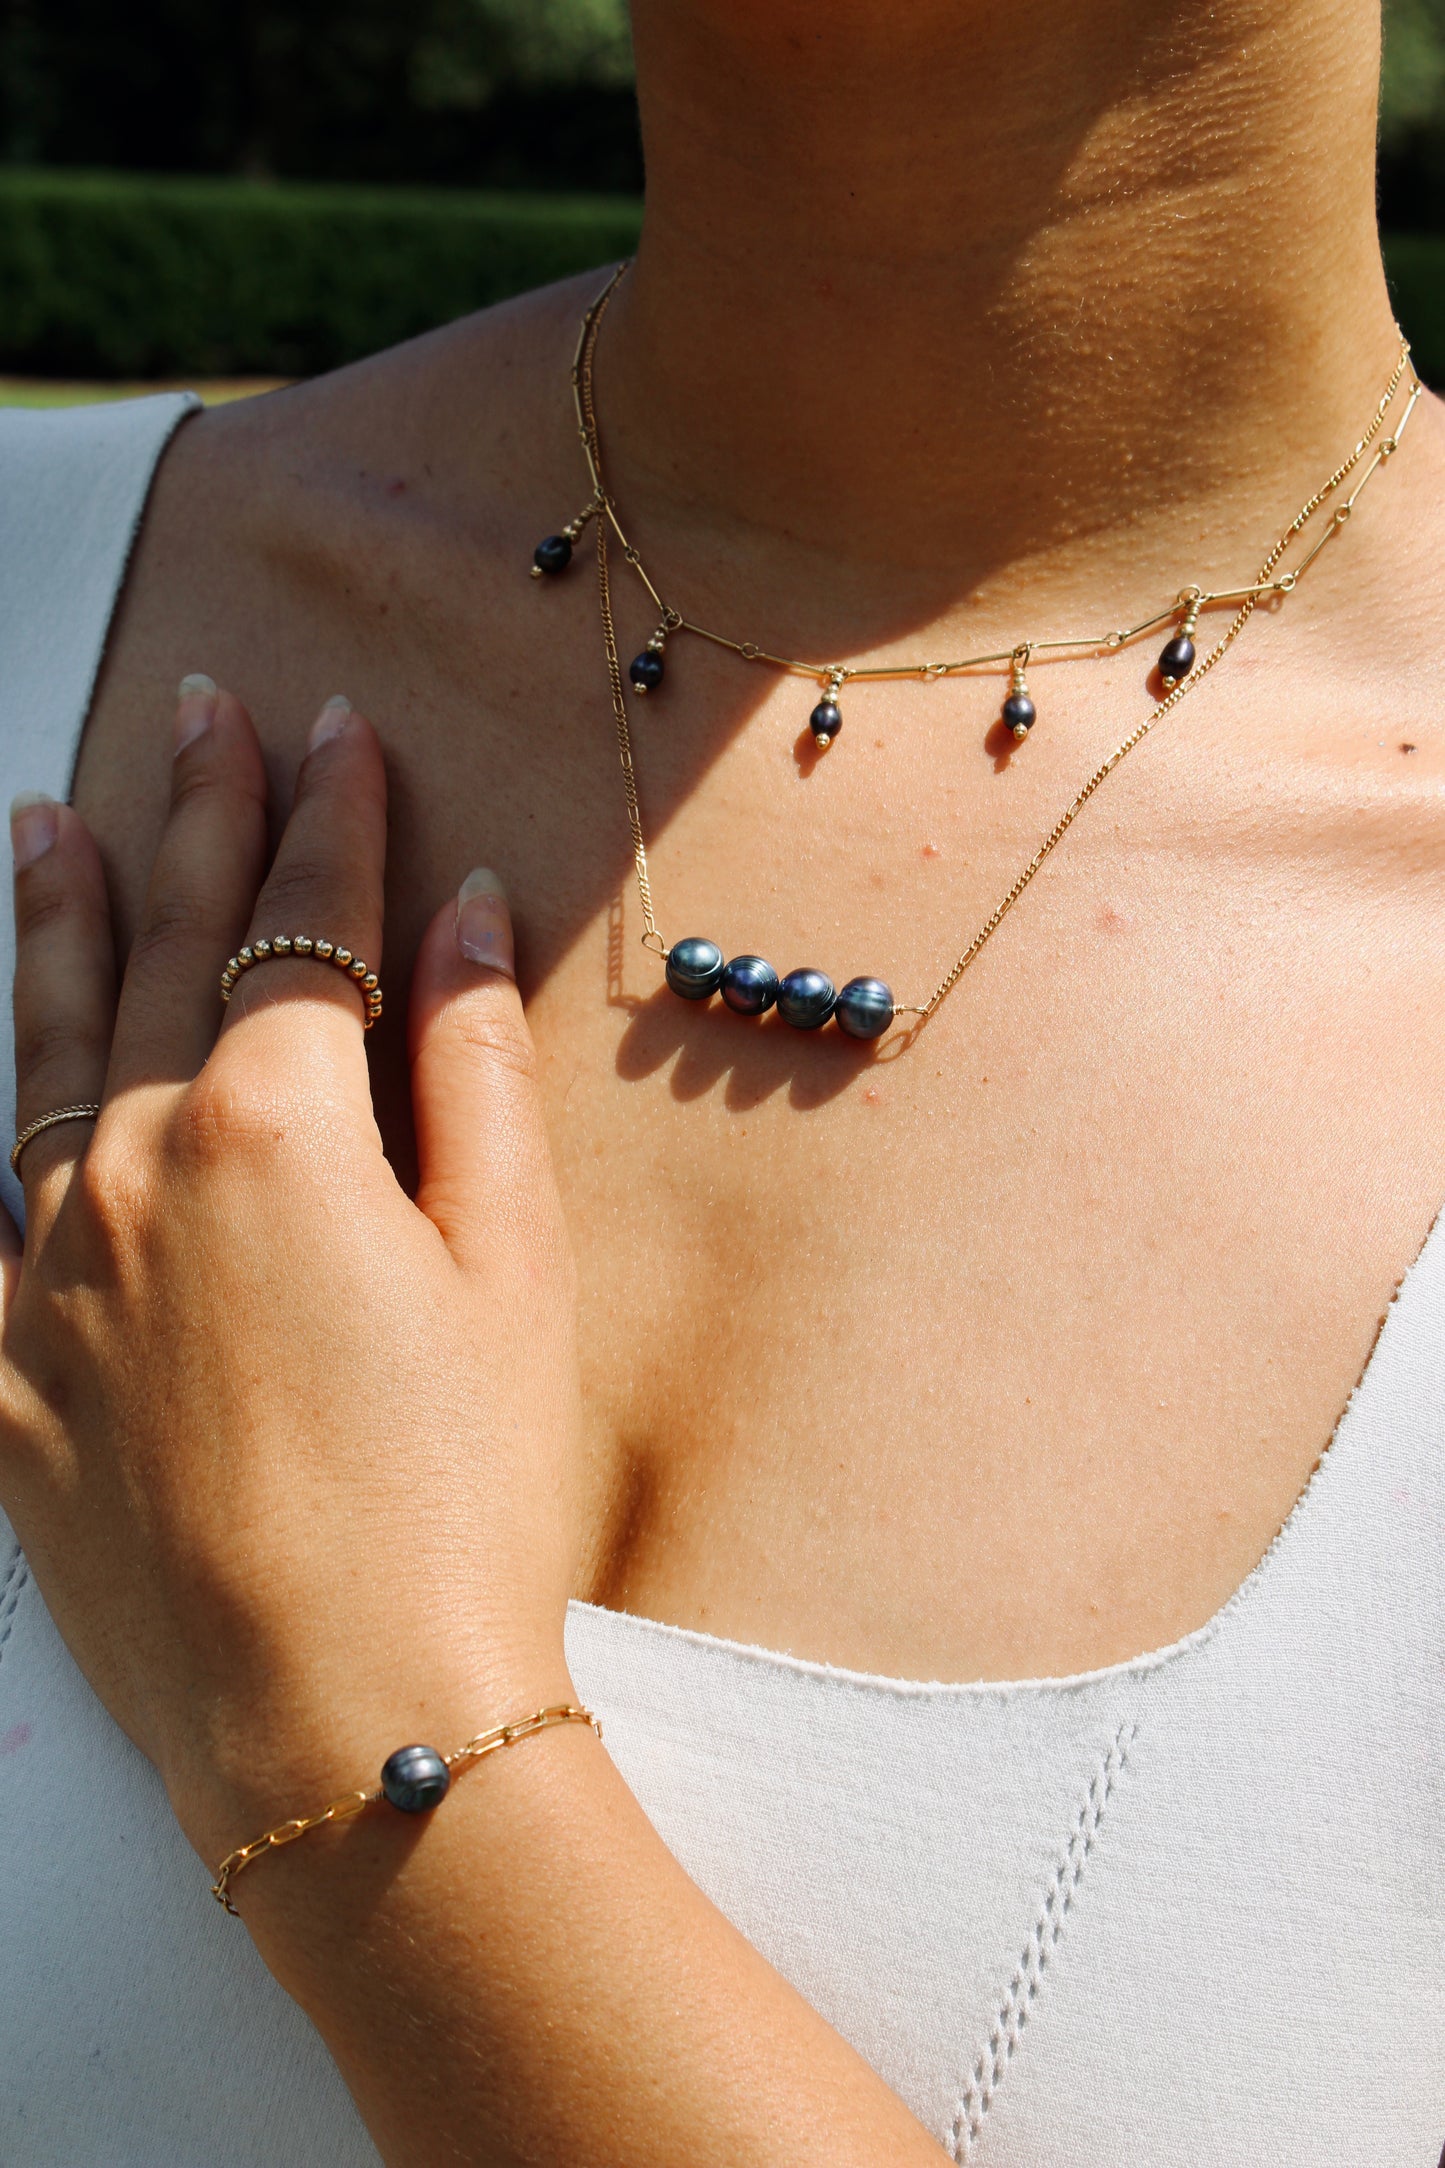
x,y
1000,744
757,1055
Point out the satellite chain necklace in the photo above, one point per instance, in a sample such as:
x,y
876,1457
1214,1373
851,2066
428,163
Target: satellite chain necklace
x,y
865,1007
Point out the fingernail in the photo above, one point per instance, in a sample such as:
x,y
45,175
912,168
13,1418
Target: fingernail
x,y
330,723
34,826
484,924
197,710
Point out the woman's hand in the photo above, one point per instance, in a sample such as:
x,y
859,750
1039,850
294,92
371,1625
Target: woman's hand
x,y
291,1456
293,1460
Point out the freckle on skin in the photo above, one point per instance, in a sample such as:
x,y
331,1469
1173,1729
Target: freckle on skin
x,y
1407,748
396,487
870,1097
929,850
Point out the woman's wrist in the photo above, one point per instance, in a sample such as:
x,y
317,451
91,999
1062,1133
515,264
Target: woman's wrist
x,y
287,1750
497,1820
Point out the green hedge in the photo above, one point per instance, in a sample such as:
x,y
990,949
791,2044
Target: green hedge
x,y
1416,266
107,275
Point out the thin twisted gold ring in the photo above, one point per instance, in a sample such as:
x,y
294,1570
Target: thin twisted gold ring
x,y
48,1121
322,952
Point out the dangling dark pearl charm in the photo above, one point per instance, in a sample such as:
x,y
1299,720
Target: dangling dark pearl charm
x,y
1019,711
646,671
826,720
552,554
1177,660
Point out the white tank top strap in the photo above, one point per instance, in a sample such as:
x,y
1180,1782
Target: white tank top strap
x,y
73,489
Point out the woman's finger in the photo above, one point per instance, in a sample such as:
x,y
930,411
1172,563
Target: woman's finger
x,y
486,1178
327,882
64,986
211,857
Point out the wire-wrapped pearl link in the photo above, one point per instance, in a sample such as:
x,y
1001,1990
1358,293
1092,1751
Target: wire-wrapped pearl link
x,y
321,952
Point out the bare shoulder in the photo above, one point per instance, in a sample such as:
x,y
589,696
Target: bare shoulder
x,y
330,536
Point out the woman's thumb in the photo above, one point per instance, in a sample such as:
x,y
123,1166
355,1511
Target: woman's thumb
x,y
486,1177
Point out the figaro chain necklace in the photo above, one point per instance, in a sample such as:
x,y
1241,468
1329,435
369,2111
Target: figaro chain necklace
x,y
865,1007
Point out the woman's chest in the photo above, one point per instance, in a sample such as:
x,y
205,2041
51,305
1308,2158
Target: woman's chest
x,y
999,1347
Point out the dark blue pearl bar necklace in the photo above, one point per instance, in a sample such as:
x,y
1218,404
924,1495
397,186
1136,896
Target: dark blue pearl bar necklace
x,y
806,999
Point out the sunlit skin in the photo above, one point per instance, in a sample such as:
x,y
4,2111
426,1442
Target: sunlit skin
x,y
1009,1354
997,1350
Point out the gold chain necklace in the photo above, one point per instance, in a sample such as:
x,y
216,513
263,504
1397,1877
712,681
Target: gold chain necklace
x,y
865,1007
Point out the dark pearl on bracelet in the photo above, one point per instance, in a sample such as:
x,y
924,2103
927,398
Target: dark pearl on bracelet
x,y
805,999
415,1778
694,968
1177,660
645,671
826,721
1019,712
865,1008
552,554
749,985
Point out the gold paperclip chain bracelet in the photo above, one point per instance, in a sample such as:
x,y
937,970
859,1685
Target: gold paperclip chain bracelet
x,y
414,1779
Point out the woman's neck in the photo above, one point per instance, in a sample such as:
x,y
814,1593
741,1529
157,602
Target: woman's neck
x,y
999,283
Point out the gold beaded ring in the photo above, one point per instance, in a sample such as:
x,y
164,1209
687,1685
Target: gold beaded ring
x,y
87,1113
323,952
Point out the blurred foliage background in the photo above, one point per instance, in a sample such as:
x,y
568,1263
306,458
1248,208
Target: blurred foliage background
x,y
490,93
1412,118
279,185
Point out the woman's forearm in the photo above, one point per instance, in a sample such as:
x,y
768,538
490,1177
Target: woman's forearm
x,y
530,1976
251,1387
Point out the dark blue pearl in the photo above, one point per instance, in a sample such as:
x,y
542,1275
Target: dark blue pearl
x,y
826,719
552,554
1177,660
806,998
415,1778
1019,712
865,1008
749,985
645,671
694,968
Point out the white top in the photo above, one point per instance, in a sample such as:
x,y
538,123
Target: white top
x,y
1185,1910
